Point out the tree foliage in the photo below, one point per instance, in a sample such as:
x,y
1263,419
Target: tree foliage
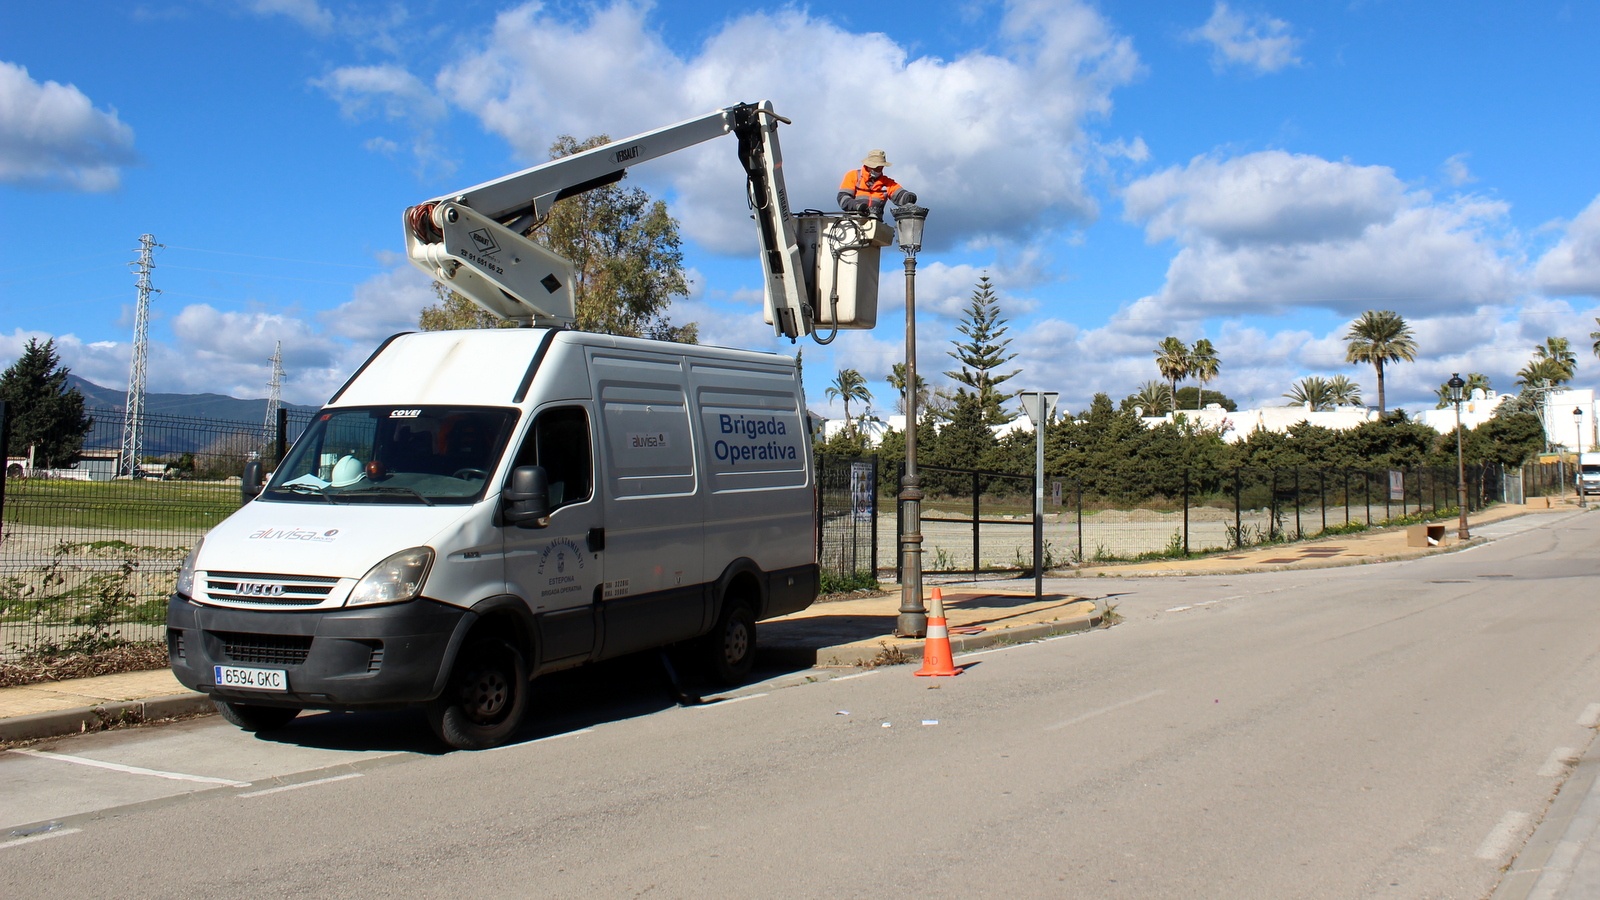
x,y
1172,359
1204,365
984,353
43,412
848,386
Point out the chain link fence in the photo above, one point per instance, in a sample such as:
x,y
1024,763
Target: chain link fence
x,y
90,553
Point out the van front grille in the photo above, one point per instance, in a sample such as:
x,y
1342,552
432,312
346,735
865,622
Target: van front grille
x,y
265,649
269,589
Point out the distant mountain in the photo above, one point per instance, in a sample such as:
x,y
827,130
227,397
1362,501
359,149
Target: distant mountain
x,y
215,407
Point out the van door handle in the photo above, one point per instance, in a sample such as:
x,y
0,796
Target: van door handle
x,y
597,540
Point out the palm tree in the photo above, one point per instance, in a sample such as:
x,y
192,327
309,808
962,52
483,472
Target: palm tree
x,y
1312,389
1172,358
1377,337
1595,336
897,380
848,386
1203,365
1153,397
1557,353
1343,392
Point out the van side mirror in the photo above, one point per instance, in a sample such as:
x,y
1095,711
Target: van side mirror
x,y
250,483
527,497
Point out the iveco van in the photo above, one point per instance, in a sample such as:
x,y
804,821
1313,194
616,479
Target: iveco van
x,y
475,508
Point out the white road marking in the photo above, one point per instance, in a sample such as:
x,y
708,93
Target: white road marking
x,y
1591,716
304,784
857,675
714,704
1501,838
1560,759
132,770
35,838
549,737
1179,608
1104,709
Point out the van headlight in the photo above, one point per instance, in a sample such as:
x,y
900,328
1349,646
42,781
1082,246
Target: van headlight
x,y
395,580
186,572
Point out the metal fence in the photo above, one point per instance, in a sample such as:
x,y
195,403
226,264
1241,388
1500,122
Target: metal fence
x,y
847,519
89,554
979,524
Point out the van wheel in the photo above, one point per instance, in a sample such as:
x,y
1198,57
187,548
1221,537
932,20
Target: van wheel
x,y
255,718
730,648
485,699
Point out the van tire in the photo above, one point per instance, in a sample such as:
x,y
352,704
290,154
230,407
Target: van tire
x,y
485,699
730,647
255,718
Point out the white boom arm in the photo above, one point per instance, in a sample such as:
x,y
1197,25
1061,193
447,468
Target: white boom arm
x,y
472,240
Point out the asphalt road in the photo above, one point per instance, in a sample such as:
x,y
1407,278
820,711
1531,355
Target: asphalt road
x,y
1385,730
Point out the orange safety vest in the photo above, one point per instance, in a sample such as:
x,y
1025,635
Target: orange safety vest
x,y
862,183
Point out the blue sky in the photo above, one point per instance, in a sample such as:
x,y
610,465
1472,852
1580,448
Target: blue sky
x,y
1256,173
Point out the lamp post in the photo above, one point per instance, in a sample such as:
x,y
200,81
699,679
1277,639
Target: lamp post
x,y
1456,384
1039,405
1577,421
913,619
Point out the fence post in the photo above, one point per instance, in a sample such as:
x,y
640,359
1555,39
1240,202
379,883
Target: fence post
x,y
1366,494
1238,524
280,445
874,484
1272,507
1185,510
976,512
1077,501
5,464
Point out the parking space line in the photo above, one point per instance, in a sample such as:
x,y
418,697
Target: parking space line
x,y
1502,836
1105,709
35,838
131,770
1560,759
724,702
548,737
1591,716
295,787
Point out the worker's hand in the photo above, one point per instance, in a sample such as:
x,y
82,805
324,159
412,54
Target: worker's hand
x,y
875,209
904,197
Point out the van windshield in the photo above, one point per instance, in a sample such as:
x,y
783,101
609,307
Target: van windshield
x,y
425,455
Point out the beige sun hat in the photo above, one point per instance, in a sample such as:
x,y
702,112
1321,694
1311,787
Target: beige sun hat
x,y
875,159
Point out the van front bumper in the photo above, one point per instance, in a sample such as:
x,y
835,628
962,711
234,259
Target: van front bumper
x,y
379,656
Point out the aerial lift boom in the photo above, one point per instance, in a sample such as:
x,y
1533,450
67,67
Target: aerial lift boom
x,y
473,240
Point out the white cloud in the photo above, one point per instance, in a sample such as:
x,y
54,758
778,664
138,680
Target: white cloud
x,y
395,95
1269,231
949,125
383,305
1572,266
51,136
1259,42
309,14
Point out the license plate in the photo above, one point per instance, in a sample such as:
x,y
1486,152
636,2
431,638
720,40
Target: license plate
x,y
252,679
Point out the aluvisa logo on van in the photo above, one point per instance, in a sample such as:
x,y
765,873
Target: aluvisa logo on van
x,y
742,440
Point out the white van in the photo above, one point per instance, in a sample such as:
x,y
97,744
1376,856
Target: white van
x,y
1588,479
475,508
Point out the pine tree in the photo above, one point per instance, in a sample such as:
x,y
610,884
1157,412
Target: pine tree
x,y
983,353
42,411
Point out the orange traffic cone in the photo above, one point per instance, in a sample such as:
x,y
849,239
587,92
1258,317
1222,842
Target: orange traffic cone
x,y
936,656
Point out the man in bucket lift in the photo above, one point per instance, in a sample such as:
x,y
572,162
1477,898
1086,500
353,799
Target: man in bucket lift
x,y
867,189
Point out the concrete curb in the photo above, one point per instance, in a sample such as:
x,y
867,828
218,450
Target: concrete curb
x,y
863,653
99,717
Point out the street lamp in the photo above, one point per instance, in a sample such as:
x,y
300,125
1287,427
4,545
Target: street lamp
x,y
1456,384
913,619
1577,421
